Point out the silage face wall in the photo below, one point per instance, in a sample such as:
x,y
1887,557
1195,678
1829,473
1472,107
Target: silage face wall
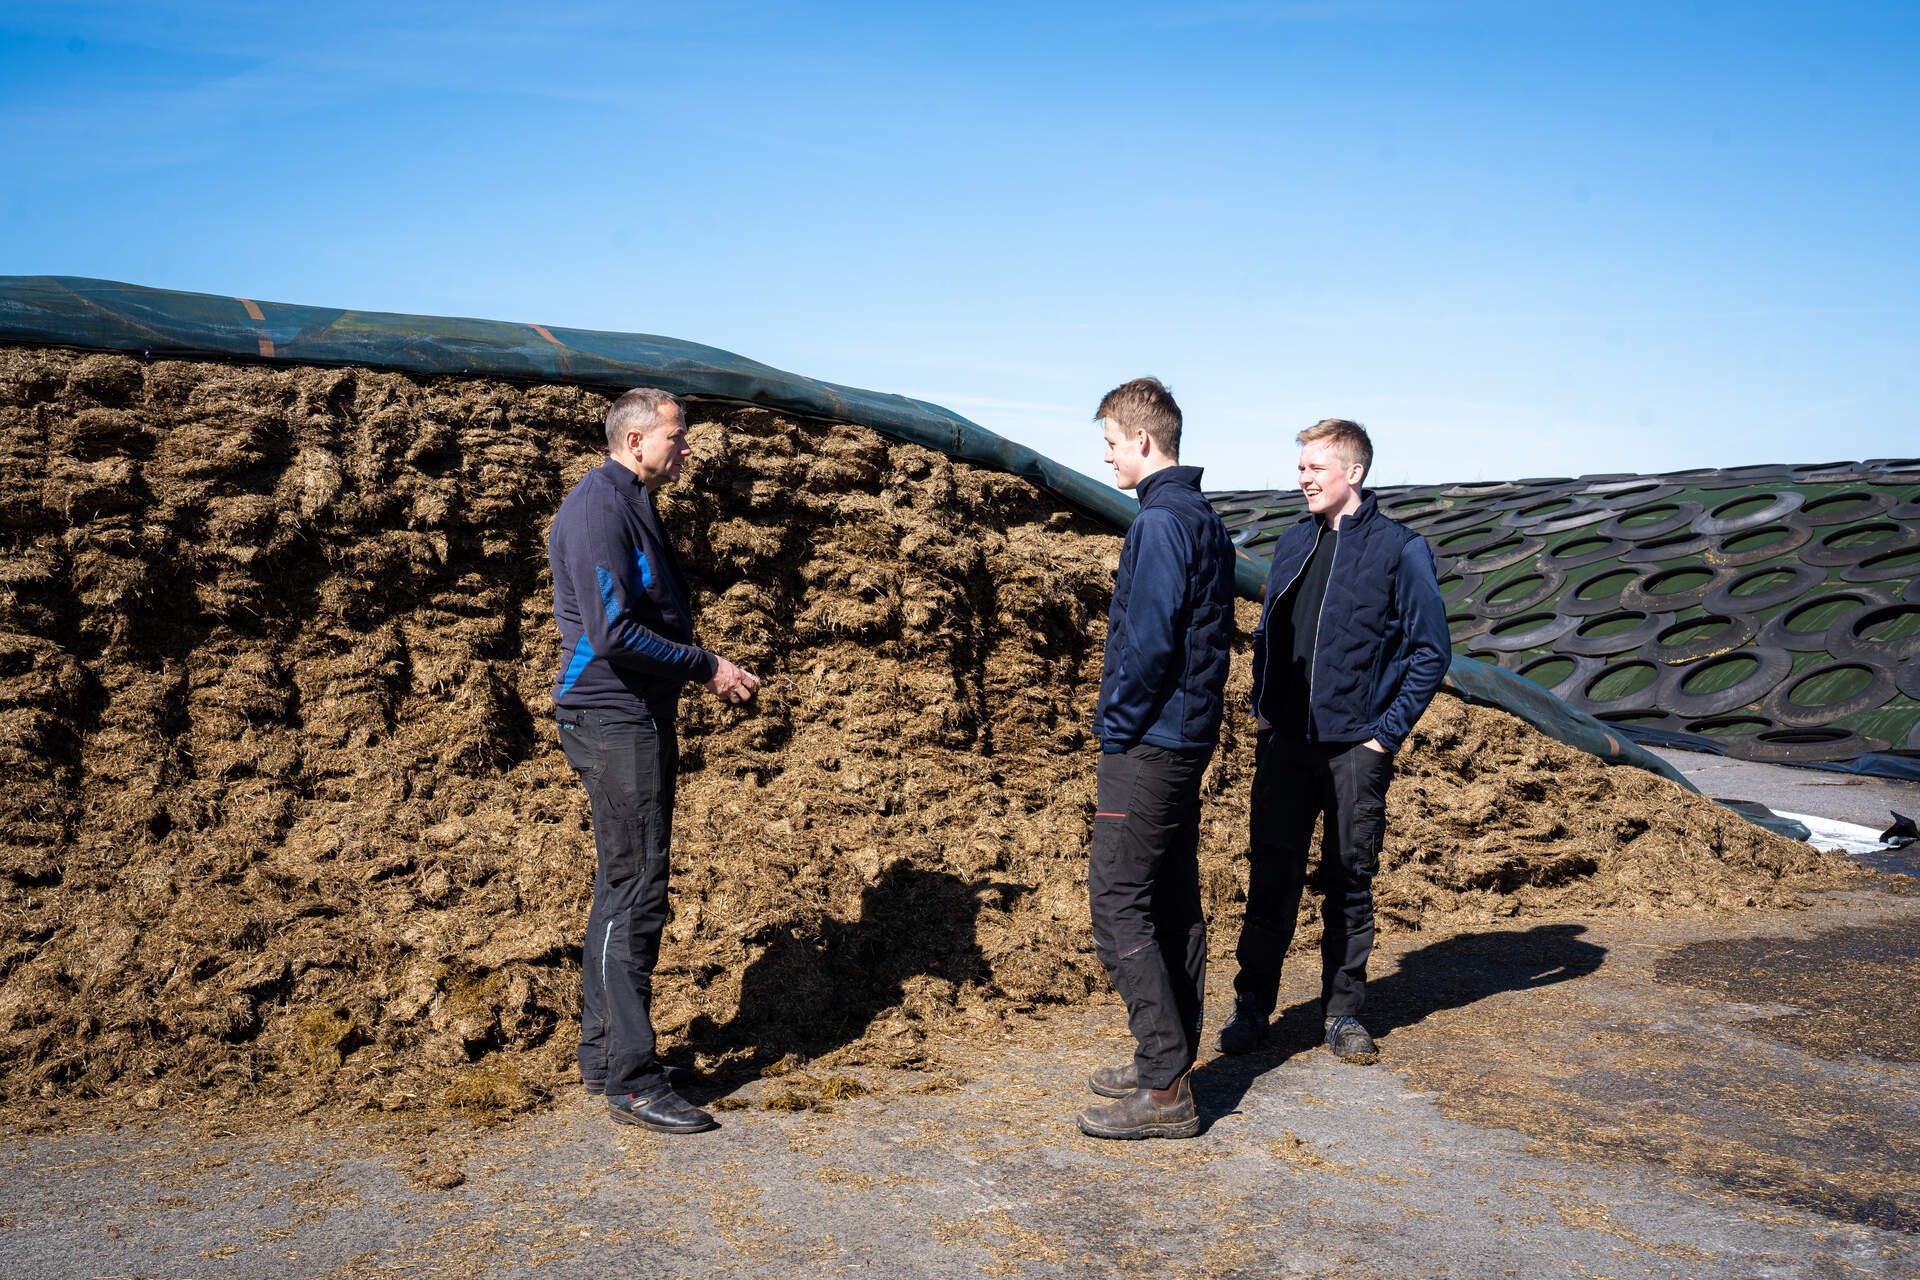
x,y
263,636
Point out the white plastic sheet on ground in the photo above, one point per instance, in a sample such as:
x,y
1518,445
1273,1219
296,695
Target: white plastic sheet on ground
x,y
1846,837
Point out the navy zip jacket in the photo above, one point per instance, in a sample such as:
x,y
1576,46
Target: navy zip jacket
x,y
626,624
1170,630
1382,646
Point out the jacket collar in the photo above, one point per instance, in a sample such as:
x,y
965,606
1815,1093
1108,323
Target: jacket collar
x,y
629,486
1175,477
1368,505
623,479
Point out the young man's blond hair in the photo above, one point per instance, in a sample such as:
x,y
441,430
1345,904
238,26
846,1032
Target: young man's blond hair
x,y
1348,440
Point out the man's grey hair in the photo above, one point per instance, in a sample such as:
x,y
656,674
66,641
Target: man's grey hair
x,y
639,410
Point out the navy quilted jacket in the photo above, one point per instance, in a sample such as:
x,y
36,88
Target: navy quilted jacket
x,y
1382,647
626,624
1170,629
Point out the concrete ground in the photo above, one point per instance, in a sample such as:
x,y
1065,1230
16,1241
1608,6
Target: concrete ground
x,y
1701,1096
1843,796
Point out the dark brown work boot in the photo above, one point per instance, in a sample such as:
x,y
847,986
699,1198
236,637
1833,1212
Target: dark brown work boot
x,y
1146,1113
1114,1082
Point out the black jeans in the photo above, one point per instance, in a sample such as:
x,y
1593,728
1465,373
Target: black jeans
x,y
1144,884
628,765
1295,782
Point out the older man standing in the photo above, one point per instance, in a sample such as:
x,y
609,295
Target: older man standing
x,y
626,631
1169,633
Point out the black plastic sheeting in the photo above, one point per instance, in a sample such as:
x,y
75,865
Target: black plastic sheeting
x,y
1898,766
105,315
1767,613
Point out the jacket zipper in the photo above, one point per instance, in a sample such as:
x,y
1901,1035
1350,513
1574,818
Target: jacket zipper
x,y
677,595
1319,620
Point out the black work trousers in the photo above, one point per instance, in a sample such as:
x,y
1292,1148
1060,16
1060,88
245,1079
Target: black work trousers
x,y
1144,883
1295,782
628,764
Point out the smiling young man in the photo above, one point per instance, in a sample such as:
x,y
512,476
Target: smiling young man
x,y
626,635
1161,693
1352,645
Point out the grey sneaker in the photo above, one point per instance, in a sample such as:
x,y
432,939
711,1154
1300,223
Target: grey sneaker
x,y
1349,1040
1246,1030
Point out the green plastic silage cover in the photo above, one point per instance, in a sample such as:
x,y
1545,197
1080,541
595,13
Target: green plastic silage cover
x,y
106,315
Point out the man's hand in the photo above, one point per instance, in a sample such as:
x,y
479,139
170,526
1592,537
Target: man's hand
x,y
1373,744
730,683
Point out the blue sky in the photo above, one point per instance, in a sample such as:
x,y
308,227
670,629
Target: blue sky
x,y
1515,239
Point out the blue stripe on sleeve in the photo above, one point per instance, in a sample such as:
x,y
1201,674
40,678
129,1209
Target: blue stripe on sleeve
x,y
582,655
608,604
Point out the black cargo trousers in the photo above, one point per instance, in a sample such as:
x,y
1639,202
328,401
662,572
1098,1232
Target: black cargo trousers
x,y
1295,782
1144,886
628,763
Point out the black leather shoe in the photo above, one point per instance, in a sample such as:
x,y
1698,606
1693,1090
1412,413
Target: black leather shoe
x,y
1246,1030
665,1113
1114,1082
1145,1113
1349,1040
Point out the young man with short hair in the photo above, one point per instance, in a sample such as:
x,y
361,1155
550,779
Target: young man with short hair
x,y
1161,693
1351,647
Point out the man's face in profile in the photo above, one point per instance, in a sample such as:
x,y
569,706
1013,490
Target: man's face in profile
x,y
1123,453
663,450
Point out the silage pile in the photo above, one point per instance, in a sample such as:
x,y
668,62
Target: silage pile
x,y
283,812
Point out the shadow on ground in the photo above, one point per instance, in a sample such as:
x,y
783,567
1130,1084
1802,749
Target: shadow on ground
x,y
1447,974
819,985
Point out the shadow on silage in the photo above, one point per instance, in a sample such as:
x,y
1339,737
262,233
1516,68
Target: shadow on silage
x,y
1447,974
814,990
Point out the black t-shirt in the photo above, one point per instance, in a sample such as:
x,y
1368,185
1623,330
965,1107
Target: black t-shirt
x,y
1288,690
